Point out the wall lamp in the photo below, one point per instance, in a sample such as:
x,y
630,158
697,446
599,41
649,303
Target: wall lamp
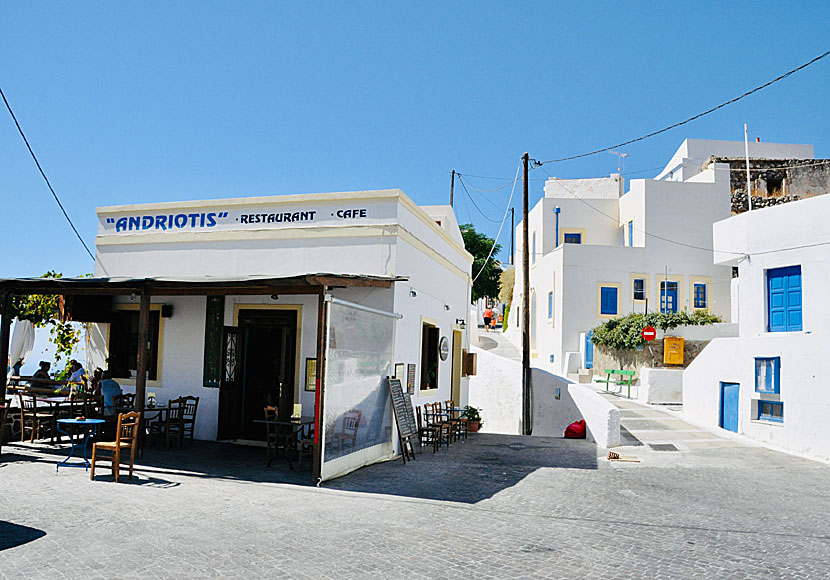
x,y
274,296
413,293
446,306
461,322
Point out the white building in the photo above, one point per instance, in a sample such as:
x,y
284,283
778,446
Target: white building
x,y
597,252
771,382
249,297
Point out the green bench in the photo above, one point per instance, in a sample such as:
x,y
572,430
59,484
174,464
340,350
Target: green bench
x,y
617,377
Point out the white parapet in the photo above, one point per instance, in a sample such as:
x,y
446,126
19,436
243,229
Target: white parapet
x,y
660,385
601,417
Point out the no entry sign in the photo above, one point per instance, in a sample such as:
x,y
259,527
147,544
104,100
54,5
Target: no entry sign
x,y
649,333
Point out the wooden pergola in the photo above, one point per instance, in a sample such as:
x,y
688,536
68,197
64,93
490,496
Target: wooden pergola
x,y
146,288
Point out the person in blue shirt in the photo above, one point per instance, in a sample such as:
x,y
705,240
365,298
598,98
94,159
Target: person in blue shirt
x,y
109,390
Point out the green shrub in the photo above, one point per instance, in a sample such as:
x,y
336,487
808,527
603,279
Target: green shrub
x,y
504,318
626,333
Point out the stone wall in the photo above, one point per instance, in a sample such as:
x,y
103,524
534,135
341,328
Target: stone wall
x,y
650,355
775,181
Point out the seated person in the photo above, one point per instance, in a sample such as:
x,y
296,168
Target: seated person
x,y
109,389
41,373
78,373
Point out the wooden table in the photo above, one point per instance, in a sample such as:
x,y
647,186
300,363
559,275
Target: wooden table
x,y
297,431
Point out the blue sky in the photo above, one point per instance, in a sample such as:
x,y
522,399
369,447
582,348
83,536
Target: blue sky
x,y
163,101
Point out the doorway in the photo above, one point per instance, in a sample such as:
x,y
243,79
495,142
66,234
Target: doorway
x,y
264,347
729,406
457,353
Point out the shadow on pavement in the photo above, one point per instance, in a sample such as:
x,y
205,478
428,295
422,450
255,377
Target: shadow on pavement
x,y
13,535
467,471
472,471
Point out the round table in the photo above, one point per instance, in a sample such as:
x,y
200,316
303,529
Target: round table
x,y
90,427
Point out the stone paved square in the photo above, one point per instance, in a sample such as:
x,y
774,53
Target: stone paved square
x,y
494,506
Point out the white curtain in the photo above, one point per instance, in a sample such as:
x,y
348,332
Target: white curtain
x,y
22,343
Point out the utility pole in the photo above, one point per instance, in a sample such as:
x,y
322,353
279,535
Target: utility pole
x,y
452,186
512,232
748,180
527,426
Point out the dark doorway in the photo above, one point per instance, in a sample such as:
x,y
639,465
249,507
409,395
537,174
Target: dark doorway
x,y
265,351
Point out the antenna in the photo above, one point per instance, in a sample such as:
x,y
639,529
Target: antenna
x,y
620,157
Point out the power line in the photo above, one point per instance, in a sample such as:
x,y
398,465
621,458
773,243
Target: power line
x,y
475,204
690,119
46,179
482,194
506,211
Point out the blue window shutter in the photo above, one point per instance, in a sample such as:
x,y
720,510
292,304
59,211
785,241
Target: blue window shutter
x,y
608,300
794,298
784,295
631,233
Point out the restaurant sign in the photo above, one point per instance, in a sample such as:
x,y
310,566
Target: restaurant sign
x,y
244,218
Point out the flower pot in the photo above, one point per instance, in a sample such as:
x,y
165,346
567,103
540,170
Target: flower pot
x,y
473,426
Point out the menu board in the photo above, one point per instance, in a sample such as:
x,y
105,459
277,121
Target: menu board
x,y
402,405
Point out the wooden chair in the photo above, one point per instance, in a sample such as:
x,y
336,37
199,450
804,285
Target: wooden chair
x,y
93,406
32,418
433,415
189,406
272,435
125,440
306,446
4,411
170,425
427,433
348,429
125,401
459,423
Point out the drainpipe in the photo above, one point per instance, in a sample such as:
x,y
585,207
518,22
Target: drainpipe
x,y
556,210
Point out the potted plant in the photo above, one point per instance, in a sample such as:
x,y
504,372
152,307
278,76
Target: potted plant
x,y
473,419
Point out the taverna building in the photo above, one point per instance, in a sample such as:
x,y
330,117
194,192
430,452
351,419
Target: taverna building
x,y
307,300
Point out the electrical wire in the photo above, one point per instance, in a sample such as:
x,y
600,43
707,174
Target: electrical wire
x,y
488,218
690,119
506,211
484,197
46,179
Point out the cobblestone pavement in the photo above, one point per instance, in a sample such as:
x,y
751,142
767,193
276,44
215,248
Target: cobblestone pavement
x,y
492,507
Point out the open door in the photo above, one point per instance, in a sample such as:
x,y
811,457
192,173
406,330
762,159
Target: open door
x,y
231,383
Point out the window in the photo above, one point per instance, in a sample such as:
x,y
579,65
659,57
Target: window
x,y
608,301
668,296
700,296
784,299
768,375
639,289
771,411
631,233
550,304
123,345
573,238
533,249
429,357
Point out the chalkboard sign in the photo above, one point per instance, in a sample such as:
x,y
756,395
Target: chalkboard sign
x,y
402,405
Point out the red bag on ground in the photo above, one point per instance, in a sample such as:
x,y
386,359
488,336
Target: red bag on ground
x,y
576,430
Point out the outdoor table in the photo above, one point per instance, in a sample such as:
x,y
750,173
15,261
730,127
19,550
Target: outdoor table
x,y
297,427
90,427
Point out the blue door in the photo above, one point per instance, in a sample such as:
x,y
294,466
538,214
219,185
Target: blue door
x,y
729,406
589,351
668,296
